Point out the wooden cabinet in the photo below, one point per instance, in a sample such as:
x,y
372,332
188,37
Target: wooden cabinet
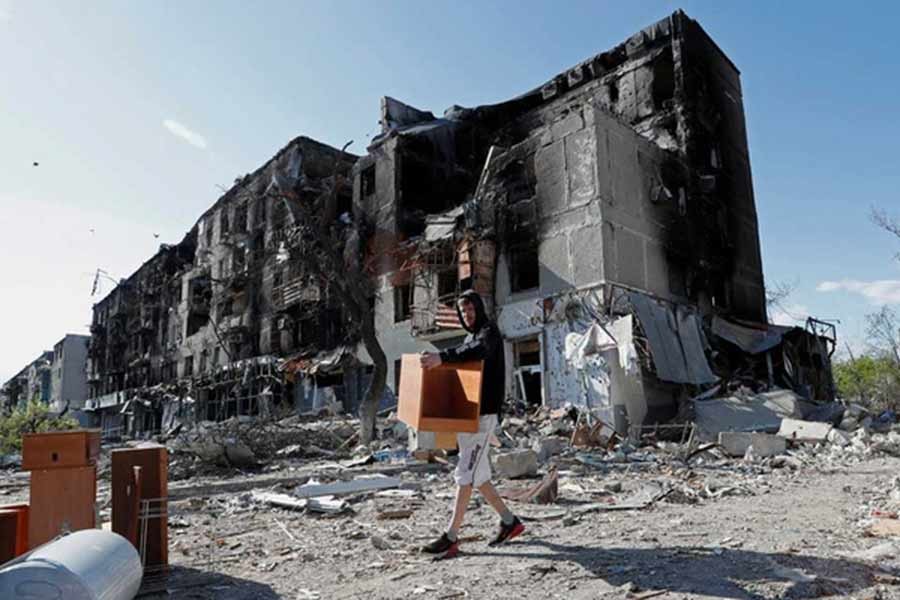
x,y
60,449
153,482
13,531
443,399
61,500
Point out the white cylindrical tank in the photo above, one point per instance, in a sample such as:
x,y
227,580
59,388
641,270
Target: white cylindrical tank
x,y
86,565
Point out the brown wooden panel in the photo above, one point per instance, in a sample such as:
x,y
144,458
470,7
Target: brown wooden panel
x,y
446,398
59,449
9,533
409,402
61,500
153,463
21,511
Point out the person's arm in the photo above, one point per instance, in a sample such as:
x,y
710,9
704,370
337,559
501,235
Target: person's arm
x,y
482,345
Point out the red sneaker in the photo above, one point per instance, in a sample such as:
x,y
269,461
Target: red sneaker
x,y
508,532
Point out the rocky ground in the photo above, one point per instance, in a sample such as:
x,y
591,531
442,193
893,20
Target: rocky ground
x,y
650,527
660,521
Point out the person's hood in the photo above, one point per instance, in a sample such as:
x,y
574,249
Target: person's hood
x,y
480,314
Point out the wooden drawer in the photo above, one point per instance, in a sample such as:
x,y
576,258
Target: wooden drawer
x,y
59,449
61,500
447,398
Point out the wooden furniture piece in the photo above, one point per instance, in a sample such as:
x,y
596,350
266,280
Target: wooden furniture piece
x,y
13,531
61,500
59,449
147,488
444,399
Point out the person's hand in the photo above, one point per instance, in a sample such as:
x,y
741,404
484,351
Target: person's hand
x,y
430,360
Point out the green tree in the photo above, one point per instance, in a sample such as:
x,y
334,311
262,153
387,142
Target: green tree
x,y
33,417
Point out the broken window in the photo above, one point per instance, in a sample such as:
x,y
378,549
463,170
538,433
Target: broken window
x,y
223,272
344,204
447,282
402,304
527,371
209,233
203,356
216,356
223,222
524,270
663,79
367,181
240,217
277,277
260,219
238,259
188,366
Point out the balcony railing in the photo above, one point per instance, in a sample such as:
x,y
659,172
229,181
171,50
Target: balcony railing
x,y
437,317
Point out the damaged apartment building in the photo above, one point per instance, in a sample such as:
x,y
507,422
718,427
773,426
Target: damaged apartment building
x,y
200,331
606,217
609,210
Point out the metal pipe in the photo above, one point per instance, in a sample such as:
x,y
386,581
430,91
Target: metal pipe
x,y
91,564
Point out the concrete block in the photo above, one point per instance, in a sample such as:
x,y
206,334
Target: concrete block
x,y
581,157
804,431
839,438
517,463
549,446
553,255
587,244
550,170
736,443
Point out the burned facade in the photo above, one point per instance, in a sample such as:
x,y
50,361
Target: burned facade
x,y
200,329
607,219
621,187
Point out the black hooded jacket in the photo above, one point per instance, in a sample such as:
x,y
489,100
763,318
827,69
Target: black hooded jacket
x,y
483,343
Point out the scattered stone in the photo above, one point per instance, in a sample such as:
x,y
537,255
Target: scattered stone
x,y
518,463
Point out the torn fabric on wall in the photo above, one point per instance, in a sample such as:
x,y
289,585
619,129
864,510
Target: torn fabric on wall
x,y
675,343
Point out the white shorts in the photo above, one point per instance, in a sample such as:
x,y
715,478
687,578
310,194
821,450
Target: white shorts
x,y
474,466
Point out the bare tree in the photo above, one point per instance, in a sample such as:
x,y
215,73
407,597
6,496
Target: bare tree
x,y
776,295
330,251
884,333
888,223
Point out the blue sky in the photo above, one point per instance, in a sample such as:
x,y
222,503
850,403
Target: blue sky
x,y
137,111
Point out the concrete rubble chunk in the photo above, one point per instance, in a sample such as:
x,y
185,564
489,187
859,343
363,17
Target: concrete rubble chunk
x,y
750,412
518,463
736,443
549,446
804,431
840,438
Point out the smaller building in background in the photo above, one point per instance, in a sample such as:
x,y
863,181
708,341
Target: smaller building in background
x,y
68,375
57,378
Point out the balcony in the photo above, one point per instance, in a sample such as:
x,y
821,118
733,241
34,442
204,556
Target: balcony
x,y
294,292
436,320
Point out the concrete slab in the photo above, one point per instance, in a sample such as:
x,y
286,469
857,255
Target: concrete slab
x,y
736,443
804,431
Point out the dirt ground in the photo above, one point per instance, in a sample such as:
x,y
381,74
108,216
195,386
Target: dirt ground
x,y
770,533
652,526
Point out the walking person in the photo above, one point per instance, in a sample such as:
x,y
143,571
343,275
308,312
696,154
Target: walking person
x,y
473,470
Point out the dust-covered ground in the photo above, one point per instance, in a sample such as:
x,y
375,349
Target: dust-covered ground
x,y
725,529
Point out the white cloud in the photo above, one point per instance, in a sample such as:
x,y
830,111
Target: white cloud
x,y
790,314
191,137
884,291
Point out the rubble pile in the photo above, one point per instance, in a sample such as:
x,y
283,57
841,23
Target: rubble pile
x,y
248,443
